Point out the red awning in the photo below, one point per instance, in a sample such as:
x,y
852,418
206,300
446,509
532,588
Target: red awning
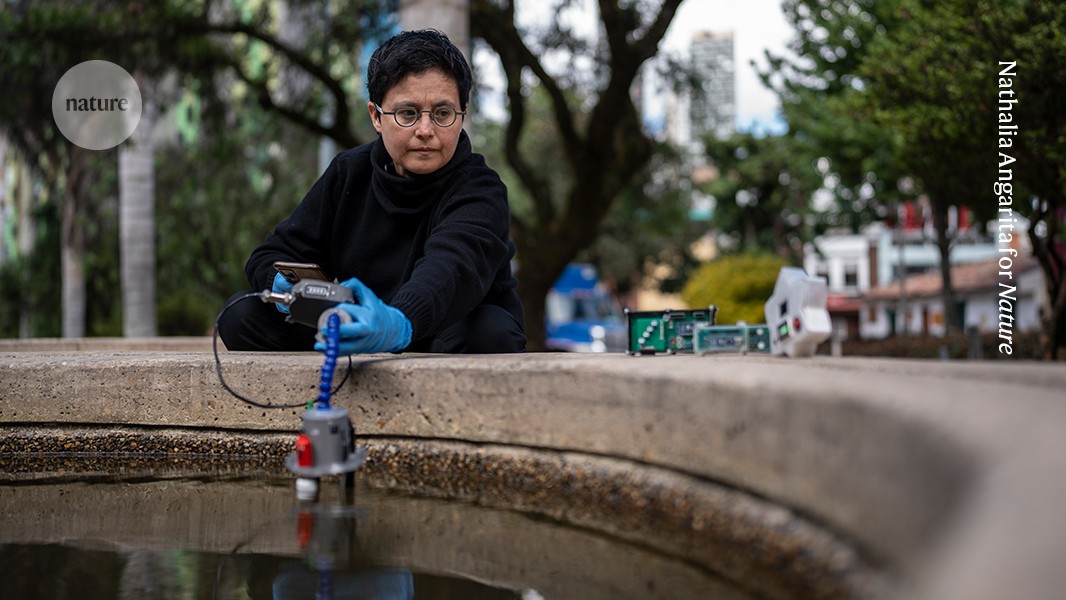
x,y
840,303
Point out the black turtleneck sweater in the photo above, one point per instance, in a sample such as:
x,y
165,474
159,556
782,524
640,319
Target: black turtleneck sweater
x,y
434,246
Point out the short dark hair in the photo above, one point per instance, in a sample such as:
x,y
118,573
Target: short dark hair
x,y
416,52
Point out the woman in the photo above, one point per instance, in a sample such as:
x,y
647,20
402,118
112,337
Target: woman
x,y
414,223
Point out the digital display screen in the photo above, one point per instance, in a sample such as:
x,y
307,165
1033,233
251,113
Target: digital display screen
x,y
316,290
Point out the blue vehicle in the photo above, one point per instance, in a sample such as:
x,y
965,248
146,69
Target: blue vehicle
x,y
581,316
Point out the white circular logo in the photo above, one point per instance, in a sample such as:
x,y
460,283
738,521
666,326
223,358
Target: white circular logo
x,y
96,105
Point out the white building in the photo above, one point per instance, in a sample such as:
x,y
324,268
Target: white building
x,y
919,310
863,272
849,263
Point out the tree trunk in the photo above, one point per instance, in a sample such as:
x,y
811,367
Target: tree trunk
x,y
947,290
605,144
72,246
1053,321
26,234
538,268
452,17
137,226
5,213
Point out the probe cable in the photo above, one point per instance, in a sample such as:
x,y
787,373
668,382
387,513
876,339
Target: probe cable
x,y
218,361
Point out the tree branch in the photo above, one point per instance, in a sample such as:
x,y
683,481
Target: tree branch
x,y
615,105
527,173
193,25
339,131
649,42
496,25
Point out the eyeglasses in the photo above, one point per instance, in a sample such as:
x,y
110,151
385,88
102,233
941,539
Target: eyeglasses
x,y
442,116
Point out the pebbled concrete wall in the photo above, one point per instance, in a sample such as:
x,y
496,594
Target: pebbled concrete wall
x,y
949,473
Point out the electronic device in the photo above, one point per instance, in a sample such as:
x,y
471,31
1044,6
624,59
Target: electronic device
x,y
667,331
326,442
296,271
312,299
797,314
734,339
325,446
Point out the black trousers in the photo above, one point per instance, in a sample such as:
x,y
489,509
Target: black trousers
x,y
251,324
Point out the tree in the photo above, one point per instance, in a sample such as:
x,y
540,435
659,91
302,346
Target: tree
x,y
217,43
921,94
602,144
221,194
762,193
1038,43
933,80
30,69
648,225
817,89
37,56
237,50
738,285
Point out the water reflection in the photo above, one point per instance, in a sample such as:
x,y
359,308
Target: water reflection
x,y
332,566
169,535
33,571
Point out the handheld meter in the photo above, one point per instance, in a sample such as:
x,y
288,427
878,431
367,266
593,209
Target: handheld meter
x,y
311,298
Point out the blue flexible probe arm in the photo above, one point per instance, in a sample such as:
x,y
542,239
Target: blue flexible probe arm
x,y
332,349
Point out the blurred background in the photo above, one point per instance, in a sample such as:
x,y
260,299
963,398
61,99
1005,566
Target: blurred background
x,y
658,154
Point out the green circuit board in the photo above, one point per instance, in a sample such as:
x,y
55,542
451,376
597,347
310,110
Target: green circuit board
x,y
736,339
665,331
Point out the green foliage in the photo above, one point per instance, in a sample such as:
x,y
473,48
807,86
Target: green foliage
x,y
927,82
898,88
540,139
737,284
936,81
35,282
31,283
648,226
762,192
648,223
212,210
103,306
216,198
818,92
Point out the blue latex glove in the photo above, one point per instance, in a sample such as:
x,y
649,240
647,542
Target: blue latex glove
x,y
375,326
281,286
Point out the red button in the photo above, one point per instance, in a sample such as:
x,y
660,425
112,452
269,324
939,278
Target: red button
x,y
304,457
